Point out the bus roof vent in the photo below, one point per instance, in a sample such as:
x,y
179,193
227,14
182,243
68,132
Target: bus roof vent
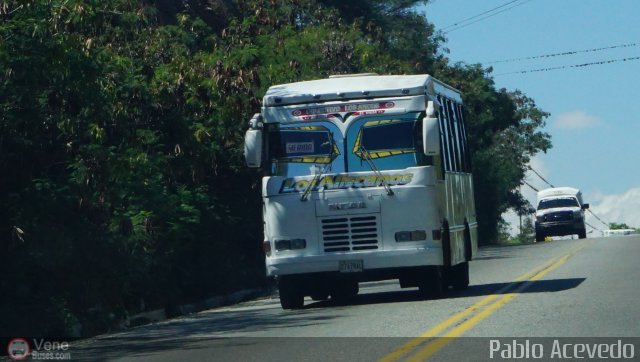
x,y
352,75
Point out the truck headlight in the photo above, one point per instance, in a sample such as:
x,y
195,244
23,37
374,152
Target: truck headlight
x,y
415,235
290,244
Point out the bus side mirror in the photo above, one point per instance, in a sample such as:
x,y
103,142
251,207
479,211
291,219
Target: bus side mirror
x,y
253,148
431,130
585,206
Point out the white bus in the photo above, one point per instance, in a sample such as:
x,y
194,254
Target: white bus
x,y
367,177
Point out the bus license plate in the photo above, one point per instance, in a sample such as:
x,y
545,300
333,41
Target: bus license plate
x,y
351,266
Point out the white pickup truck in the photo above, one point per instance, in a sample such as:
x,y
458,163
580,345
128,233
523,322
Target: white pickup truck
x,y
560,212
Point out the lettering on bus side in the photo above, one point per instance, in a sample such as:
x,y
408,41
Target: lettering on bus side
x,y
334,182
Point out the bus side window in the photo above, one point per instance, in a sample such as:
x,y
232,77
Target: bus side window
x,y
444,142
454,147
442,160
453,136
466,154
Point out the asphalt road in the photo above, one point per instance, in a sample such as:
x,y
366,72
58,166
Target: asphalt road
x,y
531,294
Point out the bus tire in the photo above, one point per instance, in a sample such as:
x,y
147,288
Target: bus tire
x,y
539,236
291,296
468,249
319,296
459,275
446,243
345,290
431,284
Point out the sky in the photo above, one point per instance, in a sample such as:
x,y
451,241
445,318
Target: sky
x,y
595,119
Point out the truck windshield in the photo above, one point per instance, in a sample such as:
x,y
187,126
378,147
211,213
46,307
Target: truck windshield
x,y
391,142
560,202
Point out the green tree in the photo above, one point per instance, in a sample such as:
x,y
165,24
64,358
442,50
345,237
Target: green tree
x,y
123,185
527,233
618,226
126,178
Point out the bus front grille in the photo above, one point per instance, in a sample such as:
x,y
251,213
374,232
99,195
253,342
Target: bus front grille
x,y
350,233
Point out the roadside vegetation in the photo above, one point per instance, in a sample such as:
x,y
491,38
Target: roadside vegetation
x,y
623,226
123,186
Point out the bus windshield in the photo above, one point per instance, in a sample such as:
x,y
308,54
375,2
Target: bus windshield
x,y
320,147
305,150
392,143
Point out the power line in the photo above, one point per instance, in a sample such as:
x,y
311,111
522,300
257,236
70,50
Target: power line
x,y
572,52
528,184
591,226
478,15
599,219
542,178
584,65
488,16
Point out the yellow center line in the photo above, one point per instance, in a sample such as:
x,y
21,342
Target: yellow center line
x,y
437,344
440,342
407,347
453,319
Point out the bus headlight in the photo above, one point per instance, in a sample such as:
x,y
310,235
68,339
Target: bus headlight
x,y
290,244
266,247
415,235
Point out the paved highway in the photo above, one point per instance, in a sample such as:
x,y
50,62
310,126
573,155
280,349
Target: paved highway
x,y
563,288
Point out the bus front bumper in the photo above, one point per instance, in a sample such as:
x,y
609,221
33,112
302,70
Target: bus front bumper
x,y
371,261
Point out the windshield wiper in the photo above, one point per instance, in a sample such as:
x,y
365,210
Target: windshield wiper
x,y
317,176
367,157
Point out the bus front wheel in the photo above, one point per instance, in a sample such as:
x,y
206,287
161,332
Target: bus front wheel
x,y
431,284
344,290
459,276
291,296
